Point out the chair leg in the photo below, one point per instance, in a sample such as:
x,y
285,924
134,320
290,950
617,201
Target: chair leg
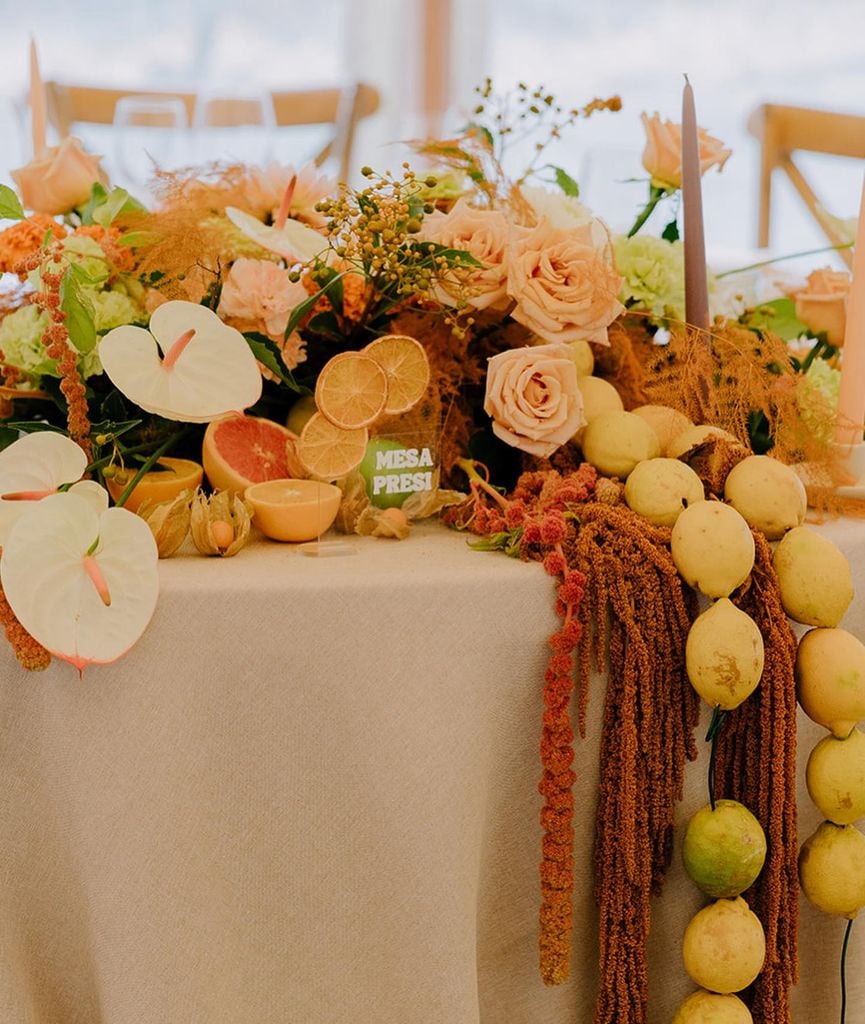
x,y
765,210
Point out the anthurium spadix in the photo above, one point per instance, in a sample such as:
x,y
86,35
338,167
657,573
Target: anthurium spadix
x,y
82,580
293,241
34,467
188,366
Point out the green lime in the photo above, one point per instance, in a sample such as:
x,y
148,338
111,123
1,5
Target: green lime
x,y
394,471
724,849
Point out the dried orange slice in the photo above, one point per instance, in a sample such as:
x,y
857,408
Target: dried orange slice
x,y
329,452
405,362
351,390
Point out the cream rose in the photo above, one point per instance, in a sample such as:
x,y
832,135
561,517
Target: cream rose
x,y
60,180
533,398
565,289
483,234
822,304
662,156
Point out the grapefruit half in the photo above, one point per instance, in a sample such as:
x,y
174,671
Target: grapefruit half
x,y
239,451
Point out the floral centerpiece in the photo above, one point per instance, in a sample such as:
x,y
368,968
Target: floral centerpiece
x,y
275,325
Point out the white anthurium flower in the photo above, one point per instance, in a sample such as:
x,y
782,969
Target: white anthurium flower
x,y
34,467
188,366
293,241
83,582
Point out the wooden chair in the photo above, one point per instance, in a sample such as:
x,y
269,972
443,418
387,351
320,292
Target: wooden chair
x,y
342,108
782,131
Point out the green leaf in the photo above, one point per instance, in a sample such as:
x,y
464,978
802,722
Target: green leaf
x,y
324,323
32,426
331,282
566,183
777,316
7,436
492,542
105,212
137,239
98,195
671,231
10,204
299,312
473,130
112,428
79,316
103,207
453,257
267,353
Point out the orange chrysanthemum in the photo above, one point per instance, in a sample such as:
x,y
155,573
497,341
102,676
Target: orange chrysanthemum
x,y
25,238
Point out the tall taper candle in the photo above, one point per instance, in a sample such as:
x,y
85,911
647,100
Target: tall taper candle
x,y
696,288
37,103
851,401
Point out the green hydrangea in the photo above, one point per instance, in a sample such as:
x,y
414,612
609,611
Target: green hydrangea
x,y
817,398
654,275
113,309
21,344
89,256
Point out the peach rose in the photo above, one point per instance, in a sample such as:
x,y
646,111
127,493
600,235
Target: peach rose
x,y
260,291
662,156
60,180
483,234
533,398
565,289
822,303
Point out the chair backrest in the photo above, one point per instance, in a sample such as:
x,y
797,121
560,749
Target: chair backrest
x,y
782,131
341,107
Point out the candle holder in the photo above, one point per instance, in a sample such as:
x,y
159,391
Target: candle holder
x,y
852,458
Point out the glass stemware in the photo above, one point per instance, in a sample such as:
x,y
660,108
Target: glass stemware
x,y
150,132
236,128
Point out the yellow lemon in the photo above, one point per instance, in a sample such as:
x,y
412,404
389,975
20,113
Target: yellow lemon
x,y
667,423
769,495
598,396
712,547
614,442
724,946
693,436
709,1008
660,489
814,578
724,655
830,679
832,869
835,777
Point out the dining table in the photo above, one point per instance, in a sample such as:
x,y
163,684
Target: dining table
x,y
308,795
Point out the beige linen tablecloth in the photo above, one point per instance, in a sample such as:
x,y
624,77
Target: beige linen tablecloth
x,y
308,796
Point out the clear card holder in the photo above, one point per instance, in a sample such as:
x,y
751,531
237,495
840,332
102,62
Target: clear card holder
x,y
400,468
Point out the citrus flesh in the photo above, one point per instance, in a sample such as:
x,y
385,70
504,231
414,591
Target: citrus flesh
x,y
330,452
406,367
351,391
239,451
724,849
158,485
